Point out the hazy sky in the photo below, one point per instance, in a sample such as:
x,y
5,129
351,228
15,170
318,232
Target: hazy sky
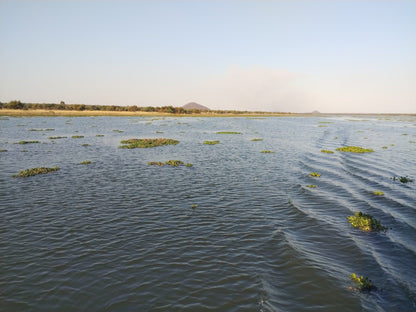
x,y
271,55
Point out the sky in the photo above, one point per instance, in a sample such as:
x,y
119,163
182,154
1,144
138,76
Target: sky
x,y
334,56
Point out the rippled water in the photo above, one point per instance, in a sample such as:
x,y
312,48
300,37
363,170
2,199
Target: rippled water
x,y
120,235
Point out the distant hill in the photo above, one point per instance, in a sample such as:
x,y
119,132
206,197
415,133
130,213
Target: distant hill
x,y
193,105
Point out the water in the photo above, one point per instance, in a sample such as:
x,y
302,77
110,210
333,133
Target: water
x,y
120,235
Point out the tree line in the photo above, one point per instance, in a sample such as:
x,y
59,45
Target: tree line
x,y
81,107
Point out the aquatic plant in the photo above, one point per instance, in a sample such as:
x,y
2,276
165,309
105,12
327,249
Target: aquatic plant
x,y
228,132
211,142
28,142
77,136
267,152
188,165
3,150
145,143
403,179
354,149
363,283
174,163
35,171
256,139
99,135
365,222
194,206
315,174
158,163
119,131
378,193
57,137
385,147
85,162
41,129
327,151
311,185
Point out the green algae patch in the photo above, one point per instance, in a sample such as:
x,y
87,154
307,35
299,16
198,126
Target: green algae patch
x,y
379,193
228,132
327,151
145,143
403,179
57,137
365,222
77,136
355,149
35,171
267,152
315,174
255,140
85,162
311,186
172,163
362,283
99,135
28,142
211,142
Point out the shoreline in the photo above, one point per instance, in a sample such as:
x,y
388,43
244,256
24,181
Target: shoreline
x,y
88,113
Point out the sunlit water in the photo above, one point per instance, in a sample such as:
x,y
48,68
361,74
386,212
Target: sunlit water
x,y
120,235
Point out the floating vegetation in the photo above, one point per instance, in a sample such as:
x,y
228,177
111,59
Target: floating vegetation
x,y
34,171
385,147
57,137
85,144
363,283
267,152
159,132
85,162
403,179
327,151
228,132
41,129
77,136
311,185
336,138
315,174
28,142
173,163
3,150
380,193
365,222
119,131
211,142
256,139
194,206
99,135
145,143
321,126
354,149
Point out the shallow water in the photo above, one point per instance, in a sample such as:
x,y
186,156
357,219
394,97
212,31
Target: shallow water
x,y
120,235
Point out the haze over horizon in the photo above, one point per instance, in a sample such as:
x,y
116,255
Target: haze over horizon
x,y
341,56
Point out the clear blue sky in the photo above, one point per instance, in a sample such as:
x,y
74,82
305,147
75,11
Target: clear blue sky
x,y
274,55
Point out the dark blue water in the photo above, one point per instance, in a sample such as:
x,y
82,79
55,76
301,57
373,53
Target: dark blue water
x,y
120,235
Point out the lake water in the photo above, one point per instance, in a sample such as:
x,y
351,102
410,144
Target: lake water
x,y
121,235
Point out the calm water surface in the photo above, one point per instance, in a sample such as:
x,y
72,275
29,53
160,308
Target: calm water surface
x,y
120,235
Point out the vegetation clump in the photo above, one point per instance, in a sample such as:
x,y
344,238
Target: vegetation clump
x,y
315,174
57,137
211,142
35,171
267,152
85,162
378,193
228,132
354,149
403,179
327,151
365,222
173,163
28,142
257,139
311,185
99,135
77,136
363,283
145,143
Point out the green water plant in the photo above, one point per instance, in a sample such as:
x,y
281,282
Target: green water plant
x,y
267,152
403,179
85,162
362,283
35,171
380,193
365,222
315,174
28,142
57,137
119,131
99,135
327,151
173,163
311,185
211,142
194,206
77,136
354,149
228,132
256,140
145,143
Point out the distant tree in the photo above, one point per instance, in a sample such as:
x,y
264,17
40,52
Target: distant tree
x,y
62,103
15,105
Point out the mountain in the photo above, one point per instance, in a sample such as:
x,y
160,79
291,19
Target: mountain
x,y
193,105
